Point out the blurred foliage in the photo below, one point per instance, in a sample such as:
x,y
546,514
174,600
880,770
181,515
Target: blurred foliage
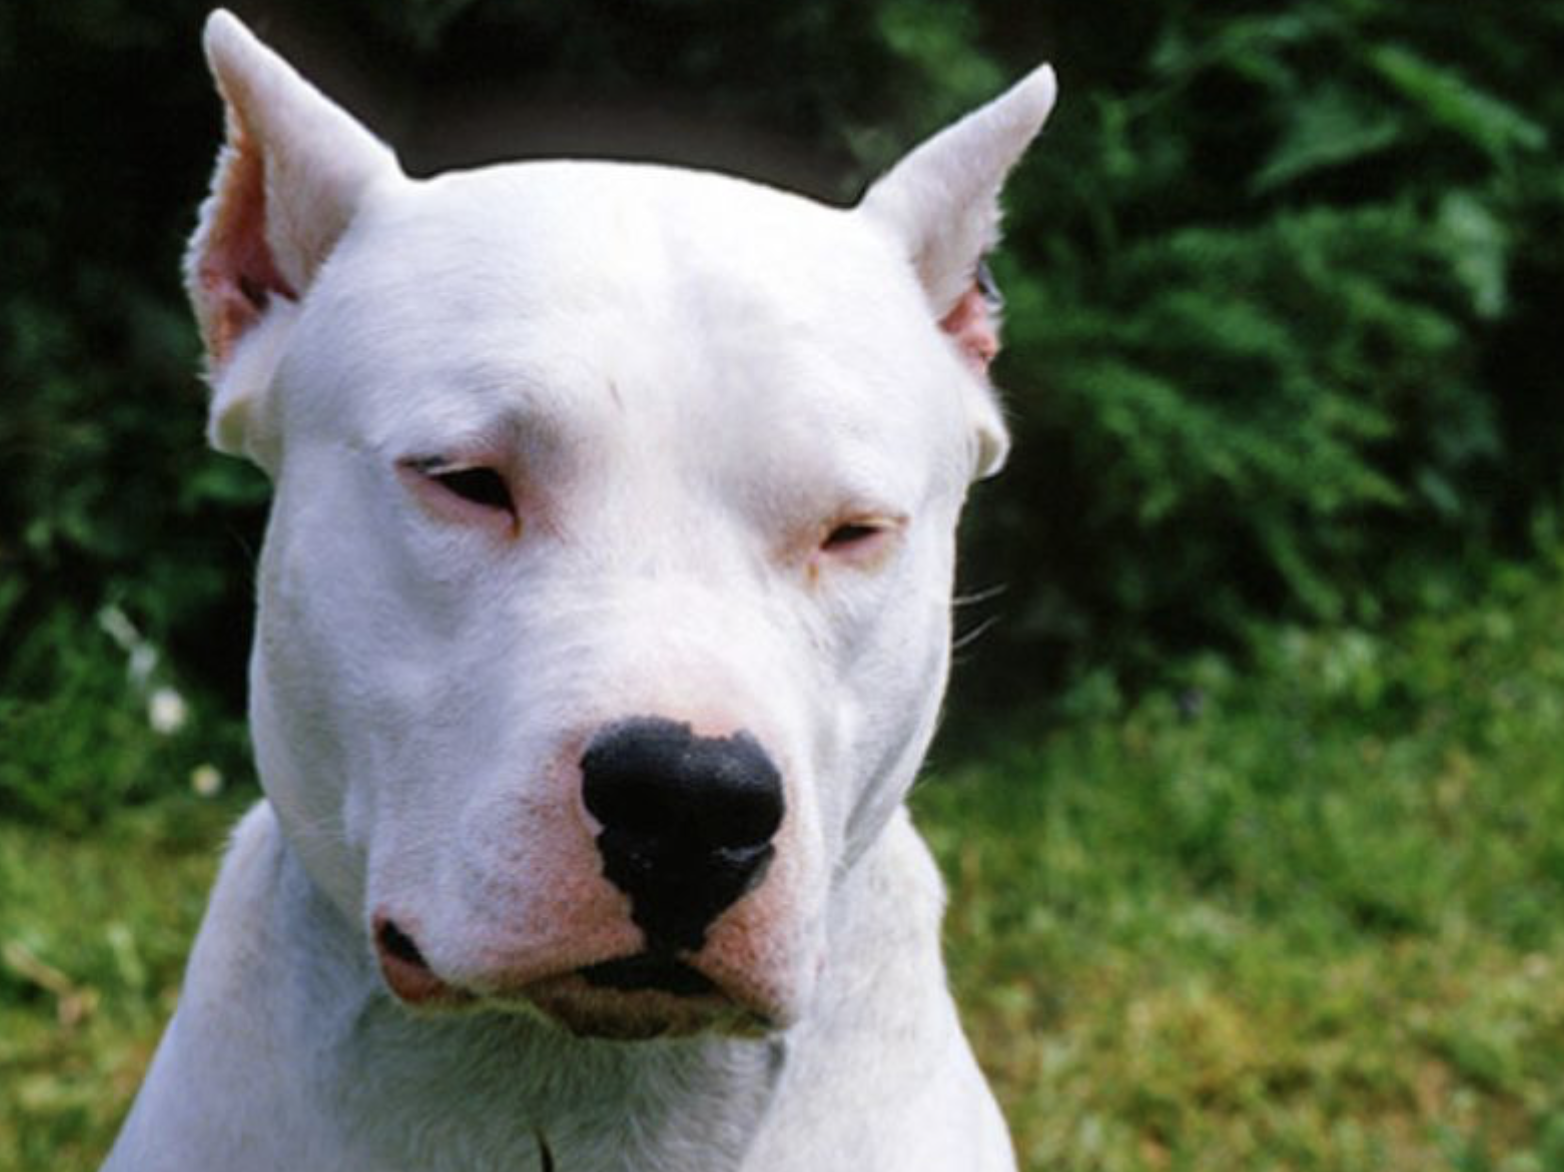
x,y
1283,284
1279,306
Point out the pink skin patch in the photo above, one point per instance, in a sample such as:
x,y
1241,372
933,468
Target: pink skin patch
x,y
237,271
974,326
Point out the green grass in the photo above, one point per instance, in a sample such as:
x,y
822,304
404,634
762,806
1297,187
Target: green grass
x,y
1319,925
1316,924
93,933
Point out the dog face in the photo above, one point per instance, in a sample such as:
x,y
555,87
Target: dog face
x,y
604,601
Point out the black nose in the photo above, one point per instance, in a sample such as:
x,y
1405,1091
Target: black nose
x,y
687,822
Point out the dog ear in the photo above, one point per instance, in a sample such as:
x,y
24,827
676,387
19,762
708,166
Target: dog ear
x,y
289,179
942,204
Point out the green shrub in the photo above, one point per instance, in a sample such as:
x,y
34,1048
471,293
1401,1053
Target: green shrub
x,y
94,719
1284,288
1277,286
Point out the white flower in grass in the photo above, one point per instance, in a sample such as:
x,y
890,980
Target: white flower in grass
x,y
143,661
117,625
206,780
167,711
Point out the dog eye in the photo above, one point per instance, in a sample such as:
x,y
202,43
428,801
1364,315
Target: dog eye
x,y
460,491
863,540
481,486
851,535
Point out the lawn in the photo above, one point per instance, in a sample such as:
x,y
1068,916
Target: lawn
x,y
1303,915
1307,917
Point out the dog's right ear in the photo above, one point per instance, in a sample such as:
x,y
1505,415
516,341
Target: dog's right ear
x,y
289,179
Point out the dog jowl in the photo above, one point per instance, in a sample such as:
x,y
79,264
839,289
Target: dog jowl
x,y
603,623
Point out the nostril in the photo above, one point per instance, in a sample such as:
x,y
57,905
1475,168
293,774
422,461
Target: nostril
x,y
740,792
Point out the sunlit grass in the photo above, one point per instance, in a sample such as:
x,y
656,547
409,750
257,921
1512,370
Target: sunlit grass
x,y
1308,919
1305,918
93,932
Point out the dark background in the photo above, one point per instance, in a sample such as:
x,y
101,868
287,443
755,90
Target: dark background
x,y
1284,287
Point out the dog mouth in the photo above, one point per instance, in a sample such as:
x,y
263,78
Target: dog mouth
x,y
649,972
646,995
406,971
641,997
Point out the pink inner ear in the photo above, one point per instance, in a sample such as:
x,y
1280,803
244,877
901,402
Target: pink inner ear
x,y
975,327
238,274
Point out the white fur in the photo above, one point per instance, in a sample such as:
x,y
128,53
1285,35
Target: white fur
x,y
688,380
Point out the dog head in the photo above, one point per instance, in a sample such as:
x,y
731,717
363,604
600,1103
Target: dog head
x,y
604,604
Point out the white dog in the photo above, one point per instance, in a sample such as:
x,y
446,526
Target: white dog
x,y
604,619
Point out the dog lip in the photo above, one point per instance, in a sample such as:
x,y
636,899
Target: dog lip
x,y
407,972
644,994
398,944
650,971
641,997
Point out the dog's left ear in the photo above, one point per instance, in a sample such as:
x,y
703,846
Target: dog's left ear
x,y
942,203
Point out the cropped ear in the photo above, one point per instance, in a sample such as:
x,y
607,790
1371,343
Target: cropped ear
x,y
289,180
941,203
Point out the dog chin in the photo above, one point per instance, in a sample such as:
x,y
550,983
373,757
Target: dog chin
x,y
581,1004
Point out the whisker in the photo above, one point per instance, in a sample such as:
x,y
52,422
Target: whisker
x,y
987,594
963,641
